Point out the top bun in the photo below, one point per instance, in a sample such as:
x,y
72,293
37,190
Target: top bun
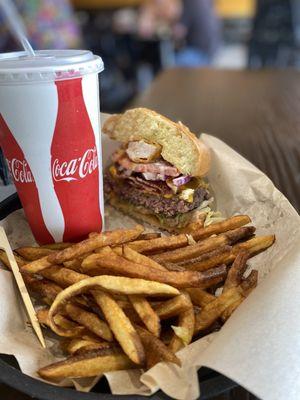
x,y
180,147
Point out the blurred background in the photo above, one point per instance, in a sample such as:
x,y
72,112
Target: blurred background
x,y
137,39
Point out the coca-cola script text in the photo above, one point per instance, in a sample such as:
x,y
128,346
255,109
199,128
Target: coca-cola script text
x,y
77,168
20,171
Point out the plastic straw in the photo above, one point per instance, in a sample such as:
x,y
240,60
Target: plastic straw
x,y
16,25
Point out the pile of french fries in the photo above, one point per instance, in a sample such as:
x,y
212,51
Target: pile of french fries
x,y
127,299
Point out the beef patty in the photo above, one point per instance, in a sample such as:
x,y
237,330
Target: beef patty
x,y
156,203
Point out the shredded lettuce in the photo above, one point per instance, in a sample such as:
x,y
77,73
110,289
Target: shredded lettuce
x,y
205,204
212,217
179,220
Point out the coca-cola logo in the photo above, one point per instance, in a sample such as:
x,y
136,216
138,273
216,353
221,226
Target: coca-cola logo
x,y
77,168
20,171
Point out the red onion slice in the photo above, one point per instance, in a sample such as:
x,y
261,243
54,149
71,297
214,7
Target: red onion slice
x,y
181,180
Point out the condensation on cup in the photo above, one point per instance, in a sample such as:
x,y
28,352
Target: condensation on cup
x,y
50,136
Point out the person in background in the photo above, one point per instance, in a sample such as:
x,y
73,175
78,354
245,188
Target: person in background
x,y
199,28
193,23
50,24
157,15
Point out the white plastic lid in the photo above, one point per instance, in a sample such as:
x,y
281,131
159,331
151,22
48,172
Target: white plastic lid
x,y
48,65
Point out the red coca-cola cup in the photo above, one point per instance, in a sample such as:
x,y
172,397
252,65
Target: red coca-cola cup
x,y
50,136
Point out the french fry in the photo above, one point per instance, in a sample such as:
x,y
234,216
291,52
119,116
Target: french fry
x,y
93,234
87,365
3,258
118,250
227,255
213,310
117,320
210,259
73,328
159,244
231,308
186,326
42,288
193,251
146,314
102,289
235,274
255,245
90,320
57,246
250,282
107,304
200,297
100,240
62,276
156,350
220,227
36,266
173,267
171,308
47,301
107,259
75,265
149,236
138,258
121,326
86,303
117,285
33,253
214,276
42,316
80,345
247,286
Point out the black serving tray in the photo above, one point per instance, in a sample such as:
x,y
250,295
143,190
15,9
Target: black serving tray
x,y
212,384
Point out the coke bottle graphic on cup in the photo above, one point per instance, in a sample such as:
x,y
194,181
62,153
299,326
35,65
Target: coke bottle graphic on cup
x,y
74,163
24,182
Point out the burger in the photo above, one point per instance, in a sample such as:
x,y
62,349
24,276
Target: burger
x,y
157,174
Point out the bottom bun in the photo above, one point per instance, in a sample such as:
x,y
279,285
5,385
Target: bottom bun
x,y
141,214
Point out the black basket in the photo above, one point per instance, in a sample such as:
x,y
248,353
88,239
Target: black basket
x,y
4,173
212,384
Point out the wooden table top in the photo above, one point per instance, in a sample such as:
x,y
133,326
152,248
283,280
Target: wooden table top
x,y
255,112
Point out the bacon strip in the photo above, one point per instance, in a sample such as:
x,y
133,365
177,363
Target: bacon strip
x,y
160,167
156,187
